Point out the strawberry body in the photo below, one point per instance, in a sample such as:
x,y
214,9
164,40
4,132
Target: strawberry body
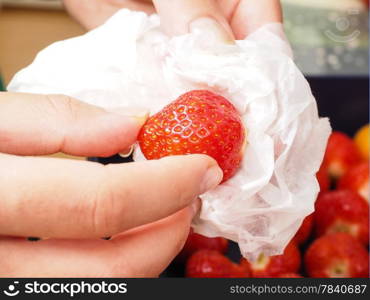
x,y
357,179
323,178
342,211
212,264
264,266
337,255
341,153
304,231
290,275
198,122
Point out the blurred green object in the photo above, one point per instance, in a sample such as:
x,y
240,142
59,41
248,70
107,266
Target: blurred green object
x,y
2,86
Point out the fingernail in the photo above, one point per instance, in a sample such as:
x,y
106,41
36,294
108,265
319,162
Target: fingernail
x,y
211,179
138,114
195,207
126,153
214,30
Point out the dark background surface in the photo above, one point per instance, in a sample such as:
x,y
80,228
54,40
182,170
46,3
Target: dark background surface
x,y
345,100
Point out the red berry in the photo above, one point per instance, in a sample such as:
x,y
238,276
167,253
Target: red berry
x,y
357,179
304,231
290,275
197,242
341,154
337,255
264,266
212,264
342,211
323,178
198,122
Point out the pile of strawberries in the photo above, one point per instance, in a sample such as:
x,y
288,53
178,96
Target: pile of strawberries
x,y
331,242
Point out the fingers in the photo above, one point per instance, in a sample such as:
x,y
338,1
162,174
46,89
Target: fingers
x,y
93,13
249,15
171,233
183,16
45,124
49,197
143,252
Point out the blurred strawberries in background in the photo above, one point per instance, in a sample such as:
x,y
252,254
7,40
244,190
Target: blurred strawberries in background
x,y
290,275
341,154
357,180
264,266
342,211
323,177
333,240
304,231
337,255
212,264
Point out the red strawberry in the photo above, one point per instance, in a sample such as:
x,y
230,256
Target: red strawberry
x,y
212,264
323,178
341,154
342,211
304,231
337,255
357,179
290,275
197,242
197,122
264,266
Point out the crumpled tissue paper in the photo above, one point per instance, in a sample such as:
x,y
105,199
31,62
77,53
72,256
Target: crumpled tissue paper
x,y
128,61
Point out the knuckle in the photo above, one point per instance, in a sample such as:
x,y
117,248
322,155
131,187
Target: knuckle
x,y
61,108
64,106
107,208
101,223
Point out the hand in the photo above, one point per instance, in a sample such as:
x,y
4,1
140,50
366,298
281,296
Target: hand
x,y
234,18
146,207
92,13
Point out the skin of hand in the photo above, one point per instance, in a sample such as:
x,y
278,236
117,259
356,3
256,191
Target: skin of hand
x,y
227,19
75,203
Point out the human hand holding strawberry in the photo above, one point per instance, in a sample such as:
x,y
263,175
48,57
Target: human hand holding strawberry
x,y
75,203
91,199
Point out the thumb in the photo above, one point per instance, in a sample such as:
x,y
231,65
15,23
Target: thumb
x,y
184,16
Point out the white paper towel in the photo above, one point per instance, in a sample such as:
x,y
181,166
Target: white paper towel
x,y
129,61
